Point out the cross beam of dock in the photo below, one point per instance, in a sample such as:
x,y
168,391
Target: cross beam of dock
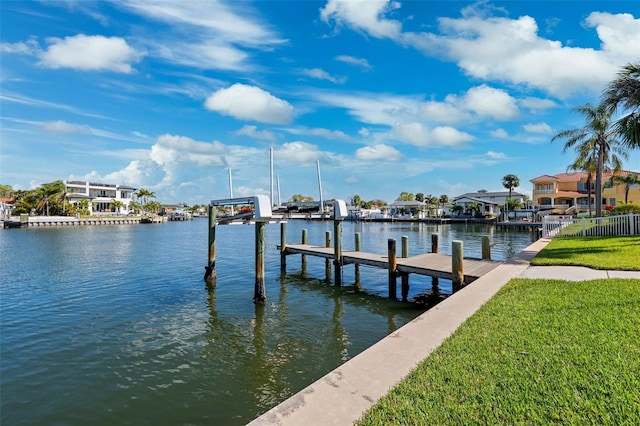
x,y
430,264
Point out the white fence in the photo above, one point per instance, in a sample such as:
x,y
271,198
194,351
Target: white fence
x,y
597,226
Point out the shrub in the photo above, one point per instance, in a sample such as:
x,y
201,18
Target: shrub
x,y
627,209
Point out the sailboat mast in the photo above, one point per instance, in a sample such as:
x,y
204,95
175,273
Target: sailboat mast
x,y
320,187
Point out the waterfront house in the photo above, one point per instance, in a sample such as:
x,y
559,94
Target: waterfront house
x,y
489,203
408,209
100,196
568,192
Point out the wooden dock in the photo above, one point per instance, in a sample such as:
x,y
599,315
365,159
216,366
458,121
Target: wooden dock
x,y
431,264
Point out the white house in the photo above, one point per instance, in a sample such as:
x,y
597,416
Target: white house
x,y
488,202
100,196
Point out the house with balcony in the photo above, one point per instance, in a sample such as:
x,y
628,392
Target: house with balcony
x,y
568,192
100,196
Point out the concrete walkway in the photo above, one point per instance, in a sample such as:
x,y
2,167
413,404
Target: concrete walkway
x,y
343,395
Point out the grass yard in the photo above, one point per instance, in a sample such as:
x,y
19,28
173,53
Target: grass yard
x,y
539,352
621,253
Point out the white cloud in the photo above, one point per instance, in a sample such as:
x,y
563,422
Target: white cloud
x,y
620,34
363,15
378,152
444,112
487,101
543,128
534,104
64,127
298,152
499,133
205,34
170,149
90,53
361,62
245,102
253,132
420,135
364,132
321,74
511,50
321,132
495,155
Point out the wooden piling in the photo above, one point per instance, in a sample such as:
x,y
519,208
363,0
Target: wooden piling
x,y
304,256
210,273
358,247
486,248
327,262
434,243
259,295
337,261
457,265
283,246
393,264
405,277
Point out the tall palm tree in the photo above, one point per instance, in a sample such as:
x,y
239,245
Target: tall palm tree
x,y
587,162
627,181
624,93
597,135
510,181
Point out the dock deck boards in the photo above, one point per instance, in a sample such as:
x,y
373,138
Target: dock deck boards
x,y
431,264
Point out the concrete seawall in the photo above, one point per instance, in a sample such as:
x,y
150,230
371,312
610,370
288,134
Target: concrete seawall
x,y
343,395
44,221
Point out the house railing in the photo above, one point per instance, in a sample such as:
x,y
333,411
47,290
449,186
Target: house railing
x,y
596,226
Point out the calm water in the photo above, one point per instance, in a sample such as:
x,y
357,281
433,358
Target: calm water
x,y
112,325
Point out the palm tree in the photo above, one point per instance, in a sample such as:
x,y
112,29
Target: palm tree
x,y
510,181
627,181
596,135
457,208
624,93
51,195
145,194
117,205
587,162
444,200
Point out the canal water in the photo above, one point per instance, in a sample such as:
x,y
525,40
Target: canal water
x,y
106,325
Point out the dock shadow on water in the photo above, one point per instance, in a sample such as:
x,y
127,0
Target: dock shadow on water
x,y
114,325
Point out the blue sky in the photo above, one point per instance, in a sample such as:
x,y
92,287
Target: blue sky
x,y
438,97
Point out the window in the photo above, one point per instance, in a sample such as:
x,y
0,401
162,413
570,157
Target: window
x,y
612,201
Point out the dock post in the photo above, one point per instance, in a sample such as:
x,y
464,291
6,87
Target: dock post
x,y
210,270
357,248
327,262
283,246
405,277
457,266
486,248
393,264
434,243
259,294
304,256
337,260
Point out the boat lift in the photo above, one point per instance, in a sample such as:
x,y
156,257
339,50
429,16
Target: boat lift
x,y
260,215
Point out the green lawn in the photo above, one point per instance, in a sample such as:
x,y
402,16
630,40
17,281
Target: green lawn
x,y
539,352
622,253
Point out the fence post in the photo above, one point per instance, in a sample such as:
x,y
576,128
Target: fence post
x,y
632,223
405,277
